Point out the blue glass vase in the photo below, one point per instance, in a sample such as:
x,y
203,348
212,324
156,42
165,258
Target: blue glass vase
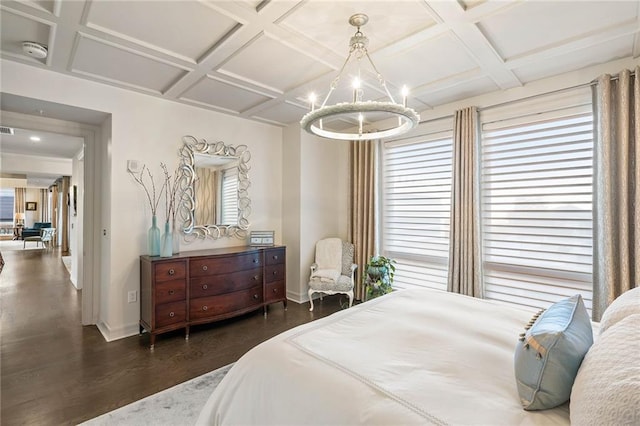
x,y
175,236
167,242
154,238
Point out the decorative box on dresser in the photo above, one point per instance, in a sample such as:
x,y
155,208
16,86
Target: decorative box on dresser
x,y
203,286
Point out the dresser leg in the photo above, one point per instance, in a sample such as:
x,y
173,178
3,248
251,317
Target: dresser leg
x,y
284,302
186,334
153,341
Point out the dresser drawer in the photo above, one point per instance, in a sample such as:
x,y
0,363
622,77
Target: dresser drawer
x,y
170,291
205,307
275,256
274,291
225,283
170,313
224,264
167,271
274,273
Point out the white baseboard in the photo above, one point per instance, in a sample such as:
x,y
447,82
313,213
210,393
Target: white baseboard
x,y
115,334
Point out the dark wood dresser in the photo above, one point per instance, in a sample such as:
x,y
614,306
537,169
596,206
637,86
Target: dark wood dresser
x,y
203,286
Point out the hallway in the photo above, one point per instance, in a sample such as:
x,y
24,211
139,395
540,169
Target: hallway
x,y
54,371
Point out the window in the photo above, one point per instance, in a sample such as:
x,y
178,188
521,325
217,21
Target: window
x,y
229,196
536,192
416,200
6,204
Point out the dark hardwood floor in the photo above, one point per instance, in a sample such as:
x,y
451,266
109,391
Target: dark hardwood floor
x,y
54,371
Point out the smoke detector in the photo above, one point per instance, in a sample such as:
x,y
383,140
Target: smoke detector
x,y
34,49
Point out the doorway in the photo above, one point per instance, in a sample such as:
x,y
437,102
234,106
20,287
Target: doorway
x,y
60,119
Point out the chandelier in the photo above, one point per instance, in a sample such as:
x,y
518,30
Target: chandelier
x,y
346,120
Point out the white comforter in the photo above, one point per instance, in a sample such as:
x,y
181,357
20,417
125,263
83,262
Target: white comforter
x,y
410,357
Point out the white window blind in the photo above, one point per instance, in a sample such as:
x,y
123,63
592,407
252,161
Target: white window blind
x,y
536,191
229,197
6,205
416,200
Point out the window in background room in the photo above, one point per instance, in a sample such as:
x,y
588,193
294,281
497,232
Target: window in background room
x,y
6,205
536,192
415,208
229,196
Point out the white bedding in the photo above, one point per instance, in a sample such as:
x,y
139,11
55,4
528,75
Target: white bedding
x,y
410,357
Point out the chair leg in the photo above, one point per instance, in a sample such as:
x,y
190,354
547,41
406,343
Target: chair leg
x,y
311,299
350,294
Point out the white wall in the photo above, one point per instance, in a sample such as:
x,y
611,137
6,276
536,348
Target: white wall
x,y
149,129
75,221
291,209
32,216
316,188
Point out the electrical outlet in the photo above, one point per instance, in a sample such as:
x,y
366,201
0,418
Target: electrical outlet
x,y
132,296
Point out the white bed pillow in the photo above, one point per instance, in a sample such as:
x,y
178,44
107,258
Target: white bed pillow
x,y
626,304
547,359
607,388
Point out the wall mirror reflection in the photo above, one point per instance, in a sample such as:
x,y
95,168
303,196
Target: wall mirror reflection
x,y
215,181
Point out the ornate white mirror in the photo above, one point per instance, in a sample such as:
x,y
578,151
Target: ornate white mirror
x,y
214,182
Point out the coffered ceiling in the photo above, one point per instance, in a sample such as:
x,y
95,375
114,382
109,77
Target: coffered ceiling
x,y
261,59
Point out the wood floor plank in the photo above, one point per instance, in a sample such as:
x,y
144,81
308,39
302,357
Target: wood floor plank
x,y
54,371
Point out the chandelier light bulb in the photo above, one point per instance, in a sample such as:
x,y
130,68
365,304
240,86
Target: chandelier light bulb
x,y
405,93
312,101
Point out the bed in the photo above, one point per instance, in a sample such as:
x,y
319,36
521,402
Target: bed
x,y
410,357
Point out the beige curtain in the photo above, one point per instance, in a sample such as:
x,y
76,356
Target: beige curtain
x,y
362,206
617,188
20,198
464,238
54,206
206,195
45,207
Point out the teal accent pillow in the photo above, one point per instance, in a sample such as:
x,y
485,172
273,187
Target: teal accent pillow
x,y
548,358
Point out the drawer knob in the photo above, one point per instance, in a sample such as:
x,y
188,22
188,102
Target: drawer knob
x,y
255,260
171,291
255,278
275,257
204,308
275,272
204,268
275,290
255,296
171,271
204,287
172,314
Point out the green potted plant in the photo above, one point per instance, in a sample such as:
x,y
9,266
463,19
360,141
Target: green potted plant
x,y
378,276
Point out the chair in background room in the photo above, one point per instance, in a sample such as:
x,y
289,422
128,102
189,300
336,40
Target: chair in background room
x,y
333,271
46,237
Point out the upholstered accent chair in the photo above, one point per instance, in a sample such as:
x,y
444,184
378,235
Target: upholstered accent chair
x,y
46,237
333,271
36,230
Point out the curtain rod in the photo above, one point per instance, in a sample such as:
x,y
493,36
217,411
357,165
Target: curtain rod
x,y
431,120
577,86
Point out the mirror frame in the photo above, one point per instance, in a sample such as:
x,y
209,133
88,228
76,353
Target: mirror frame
x,y
187,201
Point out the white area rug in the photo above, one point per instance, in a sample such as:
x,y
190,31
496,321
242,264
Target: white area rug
x,y
176,406
12,245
